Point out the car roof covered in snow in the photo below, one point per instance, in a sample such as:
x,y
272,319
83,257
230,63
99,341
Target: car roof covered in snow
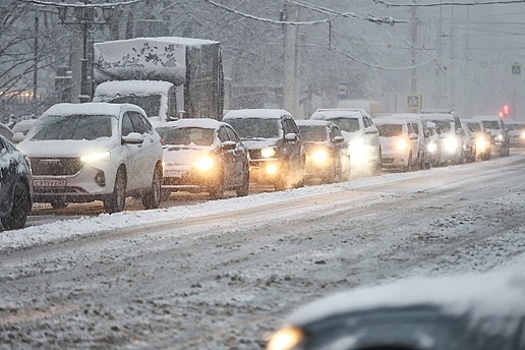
x,y
256,113
493,294
92,108
330,114
438,116
390,119
312,122
207,123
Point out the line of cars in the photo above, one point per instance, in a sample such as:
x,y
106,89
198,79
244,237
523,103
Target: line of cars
x,y
107,152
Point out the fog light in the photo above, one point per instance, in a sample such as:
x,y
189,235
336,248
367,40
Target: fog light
x,y
100,179
271,169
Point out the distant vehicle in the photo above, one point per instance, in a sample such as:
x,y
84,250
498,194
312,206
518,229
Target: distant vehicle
x,y
169,77
471,311
434,144
94,151
452,136
499,136
6,132
275,146
372,108
15,186
399,142
469,143
362,137
203,155
516,133
21,128
481,138
327,156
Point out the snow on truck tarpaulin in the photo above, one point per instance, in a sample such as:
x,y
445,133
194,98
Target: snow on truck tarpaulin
x,y
256,113
162,58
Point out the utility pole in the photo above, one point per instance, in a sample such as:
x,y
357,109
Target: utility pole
x,y
413,30
452,58
35,58
438,95
290,85
466,111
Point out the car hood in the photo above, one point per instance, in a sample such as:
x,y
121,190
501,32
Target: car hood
x,y
351,136
184,155
65,148
259,143
389,141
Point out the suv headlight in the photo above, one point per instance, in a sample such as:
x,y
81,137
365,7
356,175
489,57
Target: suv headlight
x,y
451,144
285,339
205,163
432,147
319,156
499,137
401,145
268,152
96,157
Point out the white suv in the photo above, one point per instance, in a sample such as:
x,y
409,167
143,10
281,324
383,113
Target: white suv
x,y
95,151
362,136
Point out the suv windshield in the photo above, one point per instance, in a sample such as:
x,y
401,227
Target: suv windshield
x,y
444,125
491,124
186,136
389,130
346,124
252,128
73,127
312,133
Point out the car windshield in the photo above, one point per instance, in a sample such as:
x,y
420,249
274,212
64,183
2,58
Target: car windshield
x,y
312,132
389,130
150,104
444,125
251,128
186,136
474,126
73,127
491,124
346,124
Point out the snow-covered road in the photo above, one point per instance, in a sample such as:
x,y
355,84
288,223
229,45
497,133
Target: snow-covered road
x,y
223,274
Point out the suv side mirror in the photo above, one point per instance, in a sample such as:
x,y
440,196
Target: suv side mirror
x,y
339,139
133,138
291,136
459,131
413,136
228,145
18,137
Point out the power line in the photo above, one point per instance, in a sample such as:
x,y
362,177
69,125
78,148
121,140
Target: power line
x,y
450,3
381,67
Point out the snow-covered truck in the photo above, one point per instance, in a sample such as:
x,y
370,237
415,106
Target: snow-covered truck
x,y
169,77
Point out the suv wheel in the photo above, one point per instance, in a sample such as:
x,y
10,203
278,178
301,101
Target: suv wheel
x,y
151,200
17,217
116,201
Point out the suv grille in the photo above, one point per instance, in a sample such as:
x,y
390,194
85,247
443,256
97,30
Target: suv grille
x,y
56,166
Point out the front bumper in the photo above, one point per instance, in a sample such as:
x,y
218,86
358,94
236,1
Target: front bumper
x,y
265,171
190,179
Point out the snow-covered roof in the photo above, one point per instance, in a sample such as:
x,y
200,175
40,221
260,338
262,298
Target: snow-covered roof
x,y
330,114
91,108
438,116
256,113
495,293
192,122
391,120
313,122
136,87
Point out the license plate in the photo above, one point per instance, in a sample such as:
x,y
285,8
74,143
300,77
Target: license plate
x,y
49,182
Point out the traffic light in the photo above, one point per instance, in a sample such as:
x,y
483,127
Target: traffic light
x,y
506,109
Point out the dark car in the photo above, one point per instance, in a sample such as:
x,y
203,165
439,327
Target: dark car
x,y
15,186
473,311
203,155
327,156
276,149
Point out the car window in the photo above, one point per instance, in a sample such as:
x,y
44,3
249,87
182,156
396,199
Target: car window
x,y
232,134
223,134
127,127
389,130
346,124
491,124
140,124
253,128
73,127
287,126
313,132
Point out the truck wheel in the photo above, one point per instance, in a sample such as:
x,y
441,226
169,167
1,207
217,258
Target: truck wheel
x,y
116,201
17,217
151,200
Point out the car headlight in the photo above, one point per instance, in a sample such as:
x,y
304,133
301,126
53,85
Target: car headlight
x,y
319,156
401,145
480,143
285,339
499,137
96,157
268,152
523,135
451,144
204,163
432,147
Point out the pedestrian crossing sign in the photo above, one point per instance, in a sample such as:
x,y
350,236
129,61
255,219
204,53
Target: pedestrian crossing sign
x,y
516,69
414,101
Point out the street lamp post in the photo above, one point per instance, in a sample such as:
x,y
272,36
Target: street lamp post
x,y
84,16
